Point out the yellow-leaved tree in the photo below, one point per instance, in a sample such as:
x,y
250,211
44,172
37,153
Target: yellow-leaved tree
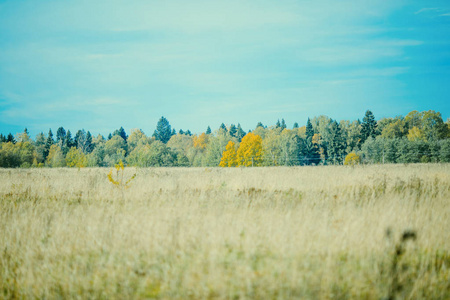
x,y
229,156
76,158
250,151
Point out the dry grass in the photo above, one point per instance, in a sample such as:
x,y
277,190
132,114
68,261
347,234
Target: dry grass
x,y
259,233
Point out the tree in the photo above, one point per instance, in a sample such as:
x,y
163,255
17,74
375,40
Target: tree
x,y
55,158
278,124
352,159
335,144
48,144
368,127
163,130
311,146
10,138
88,147
76,158
223,128
181,131
283,124
240,133
233,130
295,125
259,125
208,130
229,156
60,136
121,132
250,151
69,140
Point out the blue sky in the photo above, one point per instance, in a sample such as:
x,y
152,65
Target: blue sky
x,y
99,65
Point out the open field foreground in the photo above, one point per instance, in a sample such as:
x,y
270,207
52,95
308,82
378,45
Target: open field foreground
x,y
232,233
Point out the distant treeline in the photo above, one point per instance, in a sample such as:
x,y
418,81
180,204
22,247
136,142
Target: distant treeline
x,y
417,137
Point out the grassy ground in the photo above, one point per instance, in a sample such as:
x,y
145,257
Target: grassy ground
x,y
257,233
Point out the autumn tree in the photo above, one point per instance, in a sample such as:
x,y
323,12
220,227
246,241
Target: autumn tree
x,y
229,156
250,151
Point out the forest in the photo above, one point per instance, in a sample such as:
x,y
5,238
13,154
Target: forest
x,y
418,137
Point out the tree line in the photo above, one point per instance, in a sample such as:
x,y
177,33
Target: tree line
x,y
417,137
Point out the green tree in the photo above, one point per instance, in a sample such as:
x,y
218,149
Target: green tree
x,y
208,130
368,127
163,130
233,130
240,133
48,144
55,158
336,144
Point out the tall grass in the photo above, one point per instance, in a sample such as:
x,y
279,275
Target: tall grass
x,y
259,233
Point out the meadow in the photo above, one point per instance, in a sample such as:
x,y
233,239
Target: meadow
x,y
328,232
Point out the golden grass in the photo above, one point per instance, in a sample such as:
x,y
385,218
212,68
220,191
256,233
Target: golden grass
x,y
255,233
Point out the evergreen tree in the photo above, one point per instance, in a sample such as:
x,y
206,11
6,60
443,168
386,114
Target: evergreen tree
x,y
259,125
311,149
295,125
283,124
309,129
48,144
109,136
208,130
233,130
188,132
2,138
88,144
60,136
80,139
174,132
10,138
336,144
121,132
69,140
368,127
278,124
181,131
223,127
163,130
240,133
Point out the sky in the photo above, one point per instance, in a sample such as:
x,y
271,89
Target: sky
x,y
100,65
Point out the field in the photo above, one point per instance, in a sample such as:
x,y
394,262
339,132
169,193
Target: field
x,y
364,232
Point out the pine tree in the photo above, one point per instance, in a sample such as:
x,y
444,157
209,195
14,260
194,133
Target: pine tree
x,y
283,124
10,138
260,125
368,127
48,144
233,130
181,131
208,130
295,125
240,132
309,129
60,136
278,125
88,144
312,149
109,136
69,140
223,127
121,132
80,139
188,132
163,130
336,143
2,138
